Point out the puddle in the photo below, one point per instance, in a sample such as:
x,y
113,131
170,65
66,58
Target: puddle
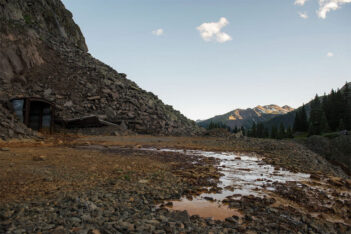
x,y
242,176
204,208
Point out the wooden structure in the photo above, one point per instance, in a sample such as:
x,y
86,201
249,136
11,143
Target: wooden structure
x,y
91,121
36,113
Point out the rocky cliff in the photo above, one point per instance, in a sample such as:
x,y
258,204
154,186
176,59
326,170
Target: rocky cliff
x,y
43,53
246,117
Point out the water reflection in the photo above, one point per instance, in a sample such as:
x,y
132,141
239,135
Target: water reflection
x,y
242,176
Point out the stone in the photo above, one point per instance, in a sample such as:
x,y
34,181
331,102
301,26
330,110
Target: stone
x,y
75,220
68,104
94,231
39,158
59,230
47,92
5,149
94,98
123,126
110,113
143,181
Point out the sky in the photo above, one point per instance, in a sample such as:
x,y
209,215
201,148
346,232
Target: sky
x,y
209,57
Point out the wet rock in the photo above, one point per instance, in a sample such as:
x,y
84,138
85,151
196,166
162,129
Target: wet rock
x,y
209,199
231,220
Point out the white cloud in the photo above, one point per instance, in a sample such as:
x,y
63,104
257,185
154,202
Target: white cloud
x,y
329,5
330,54
300,2
325,6
303,15
212,31
158,32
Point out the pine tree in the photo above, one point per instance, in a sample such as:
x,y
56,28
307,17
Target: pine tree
x,y
297,121
311,130
289,133
242,129
324,123
210,126
300,122
341,125
303,119
253,132
281,133
314,128
318,121
266,133
260,130
347,104
274,132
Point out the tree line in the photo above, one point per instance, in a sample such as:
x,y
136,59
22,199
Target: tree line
x,y
260,131
214,125
329,113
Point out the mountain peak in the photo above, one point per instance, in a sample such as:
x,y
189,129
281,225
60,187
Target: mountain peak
x,y
245,117
273,109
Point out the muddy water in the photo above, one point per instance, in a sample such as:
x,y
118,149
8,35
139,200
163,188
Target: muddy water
x,y
242,176
206,209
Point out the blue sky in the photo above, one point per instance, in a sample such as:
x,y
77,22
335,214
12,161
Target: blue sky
x,y
255,52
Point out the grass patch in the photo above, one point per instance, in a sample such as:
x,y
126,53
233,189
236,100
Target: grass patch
x,y
331,135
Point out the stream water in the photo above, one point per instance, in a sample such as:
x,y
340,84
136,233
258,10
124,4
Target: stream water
x,y
242,176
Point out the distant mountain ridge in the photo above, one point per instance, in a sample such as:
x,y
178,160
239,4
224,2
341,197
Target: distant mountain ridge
x,y
246,117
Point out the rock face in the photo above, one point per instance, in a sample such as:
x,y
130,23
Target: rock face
x,y
245,117
43,53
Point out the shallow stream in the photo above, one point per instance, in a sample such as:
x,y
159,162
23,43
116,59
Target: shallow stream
x,y
242,176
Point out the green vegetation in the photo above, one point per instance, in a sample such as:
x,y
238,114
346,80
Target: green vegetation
x,y
330,113
28,19
301,121
260,131
213,125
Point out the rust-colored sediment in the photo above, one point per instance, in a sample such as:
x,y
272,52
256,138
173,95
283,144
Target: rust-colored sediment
x,y
205,209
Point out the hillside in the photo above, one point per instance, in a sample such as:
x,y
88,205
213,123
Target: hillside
x,y
287,119
246,117
43,54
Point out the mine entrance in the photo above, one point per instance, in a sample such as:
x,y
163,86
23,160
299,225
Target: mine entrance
x,y
36,113
39,116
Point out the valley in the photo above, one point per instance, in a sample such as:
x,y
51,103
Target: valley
x,y
105,184
84,149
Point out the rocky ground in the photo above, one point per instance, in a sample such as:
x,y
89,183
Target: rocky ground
x,y
70,184
11,127
336,149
